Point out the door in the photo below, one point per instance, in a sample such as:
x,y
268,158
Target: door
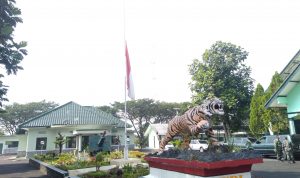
x,y
297,126
1,146
85,143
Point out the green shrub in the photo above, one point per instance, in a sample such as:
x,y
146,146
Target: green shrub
x,y
134,172
45,157
77,165
176,143
116,155
136,154
128,171
99,159
65,159
97,174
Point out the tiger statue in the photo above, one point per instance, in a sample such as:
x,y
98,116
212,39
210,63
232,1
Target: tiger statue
x,y
192,122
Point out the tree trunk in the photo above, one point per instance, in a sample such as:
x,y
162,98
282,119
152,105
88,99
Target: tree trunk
x,y
226,130
60,148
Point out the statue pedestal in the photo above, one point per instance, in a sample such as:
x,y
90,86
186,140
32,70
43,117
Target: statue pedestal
x,y
173,168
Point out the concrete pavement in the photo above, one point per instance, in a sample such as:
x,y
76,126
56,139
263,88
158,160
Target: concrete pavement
x,y
276,169
12,167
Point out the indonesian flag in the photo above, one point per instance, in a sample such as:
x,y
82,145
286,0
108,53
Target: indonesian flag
x,y
129,81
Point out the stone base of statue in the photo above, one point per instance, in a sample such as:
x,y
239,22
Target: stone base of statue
x,y
213,165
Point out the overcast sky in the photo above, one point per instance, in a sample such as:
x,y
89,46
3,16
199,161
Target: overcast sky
x,y
76,47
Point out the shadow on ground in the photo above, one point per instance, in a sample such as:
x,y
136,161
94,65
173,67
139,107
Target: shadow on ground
x,y
265,174
18,169
276,169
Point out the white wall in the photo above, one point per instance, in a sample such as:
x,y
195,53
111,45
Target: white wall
x,y
49,133
4,139
52,133
121,132
153,140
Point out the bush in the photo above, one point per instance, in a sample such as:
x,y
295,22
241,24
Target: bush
x,y
99,159
65,159
116,155
98,174
128,171
134,172
136,154
77,165
177,143
45,157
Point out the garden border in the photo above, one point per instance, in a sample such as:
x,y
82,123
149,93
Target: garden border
x,y
48,169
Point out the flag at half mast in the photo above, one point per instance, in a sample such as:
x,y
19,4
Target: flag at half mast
x,y
129,81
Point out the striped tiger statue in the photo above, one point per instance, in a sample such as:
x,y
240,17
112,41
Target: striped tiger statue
x,y
192,122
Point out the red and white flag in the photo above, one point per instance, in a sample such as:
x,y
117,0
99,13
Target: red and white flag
x,y
129,82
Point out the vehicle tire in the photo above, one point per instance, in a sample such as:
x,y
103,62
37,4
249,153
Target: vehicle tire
x,y
201,149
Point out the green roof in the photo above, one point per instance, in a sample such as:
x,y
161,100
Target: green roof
x,y
291,77
72,113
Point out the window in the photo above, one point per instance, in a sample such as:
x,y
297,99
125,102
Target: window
x,y
41,143
115,140
203,141
71,142
128,139
12,144
263,140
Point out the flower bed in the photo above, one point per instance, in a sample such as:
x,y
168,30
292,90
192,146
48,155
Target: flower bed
x,y
67,161
204,164
127,171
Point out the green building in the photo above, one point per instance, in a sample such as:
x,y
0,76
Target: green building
x,y
82,127
288,94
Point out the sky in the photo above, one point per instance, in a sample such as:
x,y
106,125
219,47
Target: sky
x,y
76,47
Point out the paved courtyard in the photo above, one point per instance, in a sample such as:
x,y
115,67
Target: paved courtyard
x,y
271,168
275,169
17,168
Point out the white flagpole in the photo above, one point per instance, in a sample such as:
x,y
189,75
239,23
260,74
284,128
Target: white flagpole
x,y
125,105
125,137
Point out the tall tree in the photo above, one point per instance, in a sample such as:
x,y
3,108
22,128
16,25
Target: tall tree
x,y
11,52
139,113
163,112
257,110
223,73
277,117
143,112
1,132
15,114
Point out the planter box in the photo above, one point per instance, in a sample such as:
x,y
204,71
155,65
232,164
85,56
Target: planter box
x,y
47,169
163,167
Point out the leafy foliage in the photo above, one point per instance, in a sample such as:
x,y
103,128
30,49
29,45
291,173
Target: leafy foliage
x,y
116,155
99,158
177,143
143,112
276,116
257,112
127,171
261,118
11,52
223,73
98,174
65,159
136,154
60,141
1,132
15,114
46,157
